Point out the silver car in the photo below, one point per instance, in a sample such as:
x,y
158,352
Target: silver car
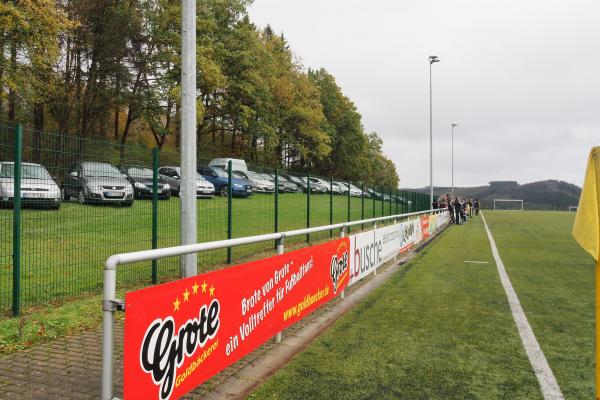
x,y
37,186
172,175
97,182
259,182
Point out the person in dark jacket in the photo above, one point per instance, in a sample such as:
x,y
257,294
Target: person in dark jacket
x,y
456,206
450,208
476,207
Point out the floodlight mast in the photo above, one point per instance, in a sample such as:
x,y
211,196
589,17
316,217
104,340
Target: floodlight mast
x,y
432,59
188,225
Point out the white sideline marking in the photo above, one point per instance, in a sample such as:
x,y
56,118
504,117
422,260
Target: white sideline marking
x,y
476,262
548,384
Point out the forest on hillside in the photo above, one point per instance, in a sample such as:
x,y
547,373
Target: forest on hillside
x,y
550,194
110,69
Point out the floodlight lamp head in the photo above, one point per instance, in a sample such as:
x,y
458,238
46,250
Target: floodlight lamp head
x,y
453,125
433,59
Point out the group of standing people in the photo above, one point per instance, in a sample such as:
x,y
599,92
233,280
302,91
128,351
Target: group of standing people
x,y
459,207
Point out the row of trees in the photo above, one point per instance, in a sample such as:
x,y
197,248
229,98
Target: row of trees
x,y
110,68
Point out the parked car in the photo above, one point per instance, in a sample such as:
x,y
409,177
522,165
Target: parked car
x,y
338,187
289,186
285,186
271,179
141,178
236,164
259,183
37,186
354,191
172,175
375,195
298,181
220,179
97,182
321,185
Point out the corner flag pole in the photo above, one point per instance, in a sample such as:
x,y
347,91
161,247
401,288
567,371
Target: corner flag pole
x,y
597,329
586,231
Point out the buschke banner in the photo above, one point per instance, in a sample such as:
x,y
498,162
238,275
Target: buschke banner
x,y
369,250
179,334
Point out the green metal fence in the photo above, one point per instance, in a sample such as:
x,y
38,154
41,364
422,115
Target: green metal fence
x,y
75,209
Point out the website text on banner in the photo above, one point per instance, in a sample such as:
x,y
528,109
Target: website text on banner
x,y
370,250
179,334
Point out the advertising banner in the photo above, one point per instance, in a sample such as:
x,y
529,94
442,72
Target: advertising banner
x,y
409,234
443,218
417,229
369,250
433,224
364,255
179,334
424,227
388,240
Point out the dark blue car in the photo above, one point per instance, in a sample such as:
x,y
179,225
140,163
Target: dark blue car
x,y
219,178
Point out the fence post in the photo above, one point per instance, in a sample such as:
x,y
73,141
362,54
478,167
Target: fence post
x,y
280,250
390,200
362,204
308,205
373,203
16,306
374,229
348,205
382,201
154,211
397,199
276,202
229,200
342,234
331,205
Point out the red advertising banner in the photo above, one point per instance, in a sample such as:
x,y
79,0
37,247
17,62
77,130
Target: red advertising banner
x,y
425,226
179,334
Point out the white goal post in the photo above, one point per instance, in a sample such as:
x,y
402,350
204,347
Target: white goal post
x,y
572,208
510,201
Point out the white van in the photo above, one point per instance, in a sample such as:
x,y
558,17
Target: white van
x,y
236,164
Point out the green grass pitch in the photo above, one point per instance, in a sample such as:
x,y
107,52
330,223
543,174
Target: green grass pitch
x,y
442,329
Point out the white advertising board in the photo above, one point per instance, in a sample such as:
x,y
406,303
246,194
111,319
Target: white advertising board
x,y
387,239
364,255
369,250
409,234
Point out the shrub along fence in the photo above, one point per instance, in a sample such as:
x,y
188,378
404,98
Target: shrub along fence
x,y
71,202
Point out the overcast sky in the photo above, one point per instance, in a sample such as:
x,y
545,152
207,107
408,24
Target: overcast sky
x,y
522,78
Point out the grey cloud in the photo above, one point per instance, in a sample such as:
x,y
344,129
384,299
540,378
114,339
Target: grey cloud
x,y
520,77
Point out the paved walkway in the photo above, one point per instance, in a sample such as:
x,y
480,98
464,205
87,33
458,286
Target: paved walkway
x,y
70,367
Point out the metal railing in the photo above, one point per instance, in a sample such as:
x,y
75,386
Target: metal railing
x,y
111,304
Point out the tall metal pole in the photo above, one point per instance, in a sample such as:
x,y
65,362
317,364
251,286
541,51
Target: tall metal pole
x,y
432,59
430,141
188,264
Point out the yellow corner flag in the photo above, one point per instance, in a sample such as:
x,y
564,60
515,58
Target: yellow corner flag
x,y
586,231
587,221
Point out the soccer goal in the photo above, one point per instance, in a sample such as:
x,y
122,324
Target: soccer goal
x,y
572,208
508,204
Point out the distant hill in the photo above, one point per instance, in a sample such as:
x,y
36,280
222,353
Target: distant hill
x,y
542,195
